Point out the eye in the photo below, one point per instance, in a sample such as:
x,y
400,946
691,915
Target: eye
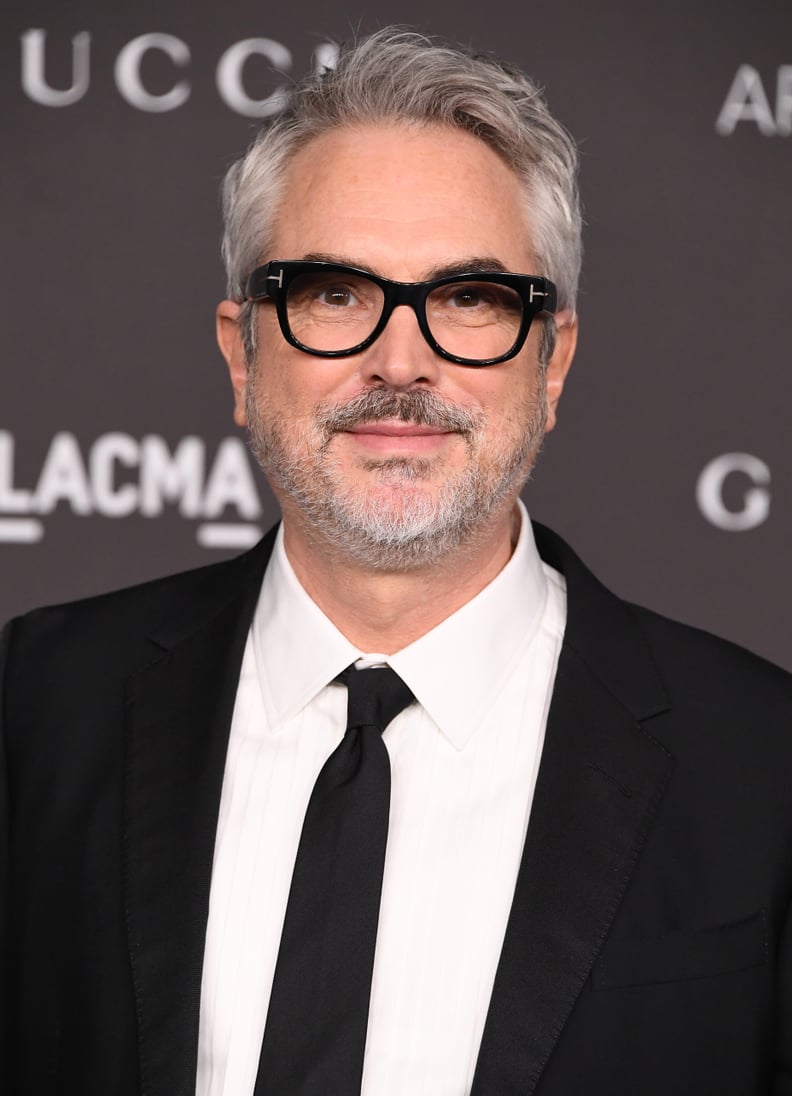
x,y
339,296
468,296
476,299
331,291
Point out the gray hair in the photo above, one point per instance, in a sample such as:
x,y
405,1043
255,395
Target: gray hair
x,y
397,75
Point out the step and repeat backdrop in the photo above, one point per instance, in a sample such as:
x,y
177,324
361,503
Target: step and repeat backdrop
x,y
671,468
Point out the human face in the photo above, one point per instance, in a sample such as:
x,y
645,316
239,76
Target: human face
x,y
393,455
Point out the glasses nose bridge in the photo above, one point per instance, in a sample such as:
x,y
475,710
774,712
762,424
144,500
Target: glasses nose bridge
x,y
409,294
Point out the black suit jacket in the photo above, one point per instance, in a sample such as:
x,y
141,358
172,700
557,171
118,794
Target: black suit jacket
x,y
649,947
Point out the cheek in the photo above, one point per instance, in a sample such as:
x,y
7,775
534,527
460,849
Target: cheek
x,y
288,378
505,398
287,395
275,384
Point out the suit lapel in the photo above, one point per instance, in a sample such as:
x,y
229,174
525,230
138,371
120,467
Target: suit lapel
x,y
178,717
600,781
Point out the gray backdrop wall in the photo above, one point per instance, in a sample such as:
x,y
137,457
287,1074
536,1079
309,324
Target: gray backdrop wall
x,y
671,469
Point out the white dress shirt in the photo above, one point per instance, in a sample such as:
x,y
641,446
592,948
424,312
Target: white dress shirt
x,y
464,761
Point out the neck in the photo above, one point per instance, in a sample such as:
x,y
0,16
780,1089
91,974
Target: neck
x,y
384,611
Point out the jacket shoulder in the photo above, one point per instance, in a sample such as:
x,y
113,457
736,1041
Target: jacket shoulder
x,y
692,657
650,661
115,627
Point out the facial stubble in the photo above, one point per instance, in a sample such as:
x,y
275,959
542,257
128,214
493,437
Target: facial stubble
x,y
394,523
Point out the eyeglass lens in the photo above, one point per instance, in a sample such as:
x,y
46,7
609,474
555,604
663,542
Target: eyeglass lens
x,y
331,311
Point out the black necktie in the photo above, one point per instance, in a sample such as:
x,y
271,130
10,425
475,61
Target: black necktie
x,y
316,1024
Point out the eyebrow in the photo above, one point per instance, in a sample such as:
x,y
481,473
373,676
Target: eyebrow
x,y
486,264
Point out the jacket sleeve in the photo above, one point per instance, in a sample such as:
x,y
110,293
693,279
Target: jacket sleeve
x,y
5,1080
782,1081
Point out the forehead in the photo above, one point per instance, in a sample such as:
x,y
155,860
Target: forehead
x,y
402,200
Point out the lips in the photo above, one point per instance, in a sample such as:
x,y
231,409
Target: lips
x,y
397,437
396,429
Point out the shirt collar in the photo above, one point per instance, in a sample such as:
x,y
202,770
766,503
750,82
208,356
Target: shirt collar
x,y
298,650
455,671
458,669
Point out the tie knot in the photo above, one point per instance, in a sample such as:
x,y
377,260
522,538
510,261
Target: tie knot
x,y
376,695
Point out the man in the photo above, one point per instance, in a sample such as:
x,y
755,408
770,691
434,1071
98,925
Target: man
x,y
587,879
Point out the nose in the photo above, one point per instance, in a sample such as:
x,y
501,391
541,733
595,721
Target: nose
x,y
401,357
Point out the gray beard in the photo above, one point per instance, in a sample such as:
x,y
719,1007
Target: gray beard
x,y
395,525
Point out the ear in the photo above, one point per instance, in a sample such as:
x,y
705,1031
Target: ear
x,y
557,368
229,339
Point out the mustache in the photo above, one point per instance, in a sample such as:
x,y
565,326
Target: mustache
x,y
417,405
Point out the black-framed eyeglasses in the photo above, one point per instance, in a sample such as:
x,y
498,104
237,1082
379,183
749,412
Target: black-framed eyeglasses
x,y
333,311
